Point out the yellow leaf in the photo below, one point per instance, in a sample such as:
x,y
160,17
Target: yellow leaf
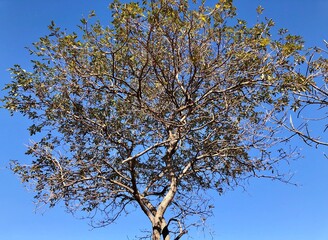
x,y
264,42
202,17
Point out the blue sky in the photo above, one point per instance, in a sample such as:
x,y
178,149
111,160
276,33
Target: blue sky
x,y
266,210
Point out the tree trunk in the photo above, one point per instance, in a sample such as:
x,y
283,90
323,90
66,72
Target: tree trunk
x,y
156,234
160,229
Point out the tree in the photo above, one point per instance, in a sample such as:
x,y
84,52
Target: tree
x,y
173,99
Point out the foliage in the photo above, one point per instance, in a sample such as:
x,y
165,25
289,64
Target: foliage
x,y
174,98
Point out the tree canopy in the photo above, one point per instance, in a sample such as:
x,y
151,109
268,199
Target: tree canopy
x,y
172,99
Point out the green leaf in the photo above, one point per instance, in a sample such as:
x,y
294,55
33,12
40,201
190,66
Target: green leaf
x,y
92,14
259,10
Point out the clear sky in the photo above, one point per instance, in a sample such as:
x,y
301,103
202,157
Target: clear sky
x,y
265,211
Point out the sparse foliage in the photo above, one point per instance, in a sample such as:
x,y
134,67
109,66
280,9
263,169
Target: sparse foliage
x,y
312,105
171,100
